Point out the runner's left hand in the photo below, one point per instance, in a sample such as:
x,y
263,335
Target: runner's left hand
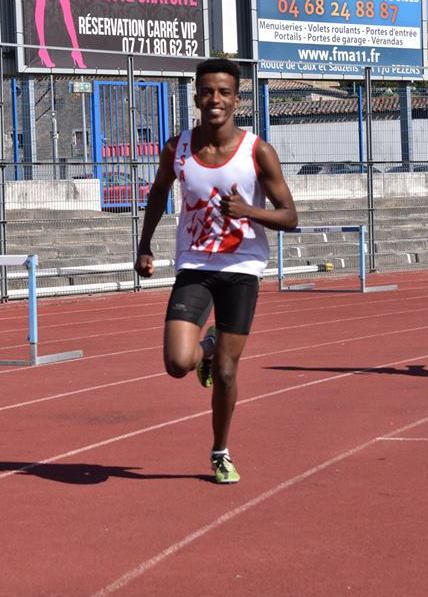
x,y
233,205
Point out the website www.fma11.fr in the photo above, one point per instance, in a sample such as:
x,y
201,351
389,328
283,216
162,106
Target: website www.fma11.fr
x,y
339,55
340,61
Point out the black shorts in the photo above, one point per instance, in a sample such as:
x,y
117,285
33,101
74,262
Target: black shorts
x,y
233,295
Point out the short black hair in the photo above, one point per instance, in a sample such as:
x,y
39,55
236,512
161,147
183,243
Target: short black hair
x,y
218,65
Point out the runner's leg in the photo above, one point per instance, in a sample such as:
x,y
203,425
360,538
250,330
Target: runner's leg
x,y
182,351
188,309
227,353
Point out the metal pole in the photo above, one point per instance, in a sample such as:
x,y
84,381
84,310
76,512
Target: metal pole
x,y
3,269
163,111
54,130
31,264
256,99
184,120
280,237
362,257
84,129
28,105
173,114
360,127
33,339
134,166
406,127
16,155
265,113
369,150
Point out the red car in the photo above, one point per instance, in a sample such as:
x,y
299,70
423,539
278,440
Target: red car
x,y
117,190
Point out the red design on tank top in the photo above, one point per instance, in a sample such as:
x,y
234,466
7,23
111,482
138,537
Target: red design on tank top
x,y
211,231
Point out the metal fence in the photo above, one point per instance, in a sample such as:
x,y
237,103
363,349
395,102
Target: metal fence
x,y
78,158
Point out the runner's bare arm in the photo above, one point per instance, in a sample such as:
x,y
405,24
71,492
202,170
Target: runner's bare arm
x,y
156,205
284,216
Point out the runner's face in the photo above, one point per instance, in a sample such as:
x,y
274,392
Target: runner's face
x,y
217,98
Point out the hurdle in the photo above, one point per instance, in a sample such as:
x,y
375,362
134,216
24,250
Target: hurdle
x,y
361,230
31,262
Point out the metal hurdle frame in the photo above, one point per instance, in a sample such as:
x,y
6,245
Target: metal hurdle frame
x,y
31,262
325,229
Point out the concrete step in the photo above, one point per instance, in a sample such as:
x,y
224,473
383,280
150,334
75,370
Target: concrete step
x,y
19,230
323,251
43,219
64,239
361,203
353,216
63,216
403,245
395,260
411,233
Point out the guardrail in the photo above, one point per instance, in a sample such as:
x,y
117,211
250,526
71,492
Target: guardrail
x,y
30,262
359,230
72,273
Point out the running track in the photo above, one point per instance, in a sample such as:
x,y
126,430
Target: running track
x,y
104,476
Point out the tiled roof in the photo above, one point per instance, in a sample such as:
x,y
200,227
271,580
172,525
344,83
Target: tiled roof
x,y
335,108
289,87
278,85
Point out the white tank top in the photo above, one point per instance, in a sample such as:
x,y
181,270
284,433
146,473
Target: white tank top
x,y
205,238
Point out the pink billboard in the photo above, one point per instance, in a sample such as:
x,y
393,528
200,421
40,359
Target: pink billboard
x,y
98,35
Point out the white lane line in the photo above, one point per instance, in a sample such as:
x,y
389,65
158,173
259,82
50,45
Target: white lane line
x,y
95,309
137,304
106,442
333,342
139,570
88,322
264,299
388,314
403,439
91,336
317,307
288,327
90,358
245,358
264,331
81,391
158,426
328,322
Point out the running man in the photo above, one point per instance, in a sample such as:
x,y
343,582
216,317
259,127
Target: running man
x,y
225,175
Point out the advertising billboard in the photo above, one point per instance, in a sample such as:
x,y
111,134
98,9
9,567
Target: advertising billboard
x,y
163,35
339,38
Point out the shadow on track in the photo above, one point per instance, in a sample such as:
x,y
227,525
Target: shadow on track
x,y
88,474
415,370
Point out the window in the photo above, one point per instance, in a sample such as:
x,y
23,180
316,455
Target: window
x,y
144,134
20,139
78,137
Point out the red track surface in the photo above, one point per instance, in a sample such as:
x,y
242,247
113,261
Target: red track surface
x,y
330,437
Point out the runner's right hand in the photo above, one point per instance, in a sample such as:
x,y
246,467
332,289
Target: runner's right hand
x,y
144,265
